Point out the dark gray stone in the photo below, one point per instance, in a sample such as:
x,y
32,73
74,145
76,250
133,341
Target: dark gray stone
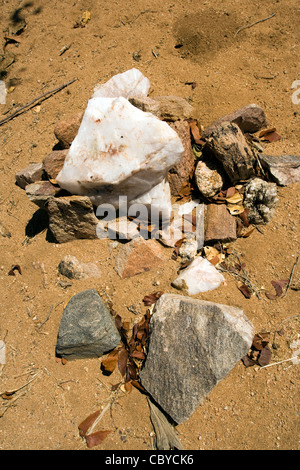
x,y
284,169
87,328
193,345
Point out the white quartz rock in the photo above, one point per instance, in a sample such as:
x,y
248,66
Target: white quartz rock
x,y
119,151
126,84
158,200
199,276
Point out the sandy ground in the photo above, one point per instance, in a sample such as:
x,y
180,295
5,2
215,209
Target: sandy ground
x,y
251,408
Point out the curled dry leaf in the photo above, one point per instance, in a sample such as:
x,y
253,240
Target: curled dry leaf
x,y
278,285
152,298
110,362
96,438
15,267
122,361
269,135
245,291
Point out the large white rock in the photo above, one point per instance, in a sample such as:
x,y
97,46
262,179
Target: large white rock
x,y
119,151
126,84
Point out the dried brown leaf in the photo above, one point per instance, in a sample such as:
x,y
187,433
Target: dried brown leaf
x,y
138,355
260,340
278,285
264,356
152,298
87,423
271,296
110,362
122,361
248,361
96,438
245,291
15,267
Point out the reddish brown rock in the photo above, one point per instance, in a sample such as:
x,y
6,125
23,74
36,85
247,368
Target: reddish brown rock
x,y
66,131
30,174
53,163
219,225
41,192
179,174
250,118
138,256
72,217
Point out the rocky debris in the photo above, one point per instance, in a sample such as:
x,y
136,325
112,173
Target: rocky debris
x,y
126,152
199,276
228,145
188,249
261,200
138,256
4,232
174,108
65,131
220,225
146,104
87,328
122,229
41,192
209,178
72,217
283,170
180,173
71,268
250,118
53,163
30,174
184,363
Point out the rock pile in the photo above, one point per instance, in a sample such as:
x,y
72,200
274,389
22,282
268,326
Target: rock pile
x,y
132,168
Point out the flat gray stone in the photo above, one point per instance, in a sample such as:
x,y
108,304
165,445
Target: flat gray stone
x,y
30,174
193,345
87,328
284,169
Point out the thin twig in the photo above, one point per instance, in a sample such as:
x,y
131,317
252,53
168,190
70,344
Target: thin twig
x,y
291,276
47,318
36,101
241,276
280,362
253,24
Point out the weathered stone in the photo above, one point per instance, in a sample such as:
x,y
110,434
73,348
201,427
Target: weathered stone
x,y
65,131
188,249
53,163
250,118
87,328
208,178
119,150
193,345
219,224
284,169
71,268
30,174
261,200
41,192
199,276
146,104
228,144
173,108
138,256
180,173
72,217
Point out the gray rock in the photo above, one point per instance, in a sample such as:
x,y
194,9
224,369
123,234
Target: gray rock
x,y
30,174
71,268
250,118
261,200
228,145
284,169
193,345
87,328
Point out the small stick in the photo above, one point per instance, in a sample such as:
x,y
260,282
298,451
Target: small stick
x,y
280,362
253,24
291,276
36,101
47,318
